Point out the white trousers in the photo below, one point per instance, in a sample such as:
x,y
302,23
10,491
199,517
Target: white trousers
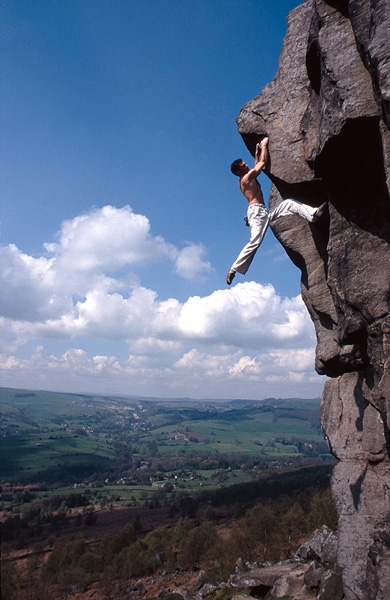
x,y
259,218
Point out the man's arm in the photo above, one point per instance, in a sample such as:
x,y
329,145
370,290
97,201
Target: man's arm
x,y
261,154
261,159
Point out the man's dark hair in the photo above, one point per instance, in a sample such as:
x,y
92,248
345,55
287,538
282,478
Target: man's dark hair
x,y
235,166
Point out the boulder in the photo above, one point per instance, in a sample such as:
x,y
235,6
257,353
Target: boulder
x,y
322,547
281,579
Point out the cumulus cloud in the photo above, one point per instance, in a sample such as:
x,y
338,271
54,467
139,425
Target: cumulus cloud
x,y
91,250
250,315
105,240
83,289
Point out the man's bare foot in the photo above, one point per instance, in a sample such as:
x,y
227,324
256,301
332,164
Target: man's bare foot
x,y
230,276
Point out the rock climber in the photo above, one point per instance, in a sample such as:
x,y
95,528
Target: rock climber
x,y
258,216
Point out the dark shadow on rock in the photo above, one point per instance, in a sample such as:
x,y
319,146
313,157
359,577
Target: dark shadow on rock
x,y
352,168
356,489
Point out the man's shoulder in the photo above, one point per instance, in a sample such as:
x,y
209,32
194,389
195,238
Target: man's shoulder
x,y
250,179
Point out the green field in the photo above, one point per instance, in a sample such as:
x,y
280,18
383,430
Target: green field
x,y
29,454
51,437
254,431
24,410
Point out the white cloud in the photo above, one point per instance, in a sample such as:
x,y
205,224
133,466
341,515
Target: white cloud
x,y
248,315
107,239
27,287
190,263
244,336
92,250
196,373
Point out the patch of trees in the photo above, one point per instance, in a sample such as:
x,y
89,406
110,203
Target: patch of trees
x,y
12,527
50,512
67,473
271,487
73,500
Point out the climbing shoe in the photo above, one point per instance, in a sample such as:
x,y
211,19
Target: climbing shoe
x,y
230,276
319,212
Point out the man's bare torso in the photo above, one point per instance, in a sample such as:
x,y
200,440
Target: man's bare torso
x,y
251,190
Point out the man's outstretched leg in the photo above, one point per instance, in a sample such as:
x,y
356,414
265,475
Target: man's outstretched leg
x,y
294,207
258,218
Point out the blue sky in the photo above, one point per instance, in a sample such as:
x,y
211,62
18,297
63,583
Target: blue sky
x,y
119,215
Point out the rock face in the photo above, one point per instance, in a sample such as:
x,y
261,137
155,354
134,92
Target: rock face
x,y
327,113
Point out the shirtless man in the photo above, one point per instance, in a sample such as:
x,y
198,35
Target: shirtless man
x,y
258,217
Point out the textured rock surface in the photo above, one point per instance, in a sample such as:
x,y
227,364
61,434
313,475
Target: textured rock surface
x,y
327,113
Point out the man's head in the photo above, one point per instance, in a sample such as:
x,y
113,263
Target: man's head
x,y
239,167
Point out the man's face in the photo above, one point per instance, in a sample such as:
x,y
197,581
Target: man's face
x,y
243,168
